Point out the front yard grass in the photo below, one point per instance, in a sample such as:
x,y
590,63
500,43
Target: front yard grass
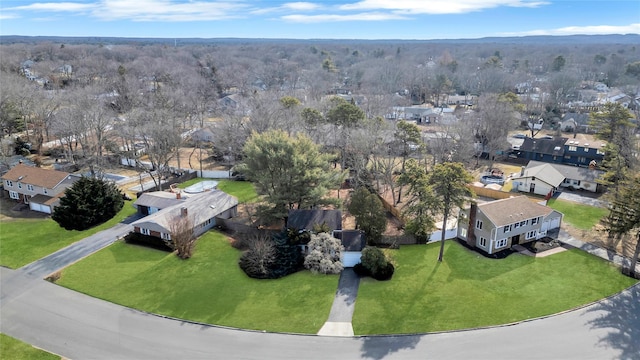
x,y
208,288
243,190
468,290
581,216
25,241
15,349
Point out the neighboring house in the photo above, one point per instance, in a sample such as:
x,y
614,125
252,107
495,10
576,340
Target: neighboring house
x,y
542,149
578,178
582,152
152,202
541,179
353,241
40,188
202,210
204,134
497,225
305,220
575,122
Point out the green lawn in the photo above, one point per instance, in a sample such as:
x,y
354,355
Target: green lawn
x,y
468,290
579,215
209,287
25,241
243,190
14,349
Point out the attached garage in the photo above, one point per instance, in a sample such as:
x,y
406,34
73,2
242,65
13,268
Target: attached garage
x,y
353,242
43,203
351,258
40,207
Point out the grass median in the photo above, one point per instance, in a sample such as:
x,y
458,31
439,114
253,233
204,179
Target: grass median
x,y
208,288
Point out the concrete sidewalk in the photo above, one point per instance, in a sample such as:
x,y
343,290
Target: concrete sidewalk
x,y
339,322
605,254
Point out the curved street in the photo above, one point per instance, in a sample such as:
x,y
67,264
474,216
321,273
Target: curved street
x,y
78,326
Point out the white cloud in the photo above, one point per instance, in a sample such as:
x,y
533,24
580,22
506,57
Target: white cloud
x,y
372,16
438,6
59,6
5,16
300,6
582,30
168,10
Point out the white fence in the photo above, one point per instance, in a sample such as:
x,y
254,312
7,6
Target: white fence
x,y
214,174
449,234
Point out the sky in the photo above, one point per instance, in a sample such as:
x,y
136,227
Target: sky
x,y
332,19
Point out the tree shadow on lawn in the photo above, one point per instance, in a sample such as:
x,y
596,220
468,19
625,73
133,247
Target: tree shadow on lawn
x,y
469,264
620,314
379,347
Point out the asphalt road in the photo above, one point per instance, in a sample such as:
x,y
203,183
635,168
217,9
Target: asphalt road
x,y
76,251
81,327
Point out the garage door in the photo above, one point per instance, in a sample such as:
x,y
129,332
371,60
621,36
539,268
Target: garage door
x,y
39,207
555,223
350,258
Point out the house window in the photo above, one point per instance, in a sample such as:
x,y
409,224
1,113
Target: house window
x,y
19,185
29,187
567,157
9,183
523,223
145,232
501,243
483,242
479,224
463,232
573,148
516,225
507,228
586,149
164,236
582,159
534,221
531,234
14,195
599,152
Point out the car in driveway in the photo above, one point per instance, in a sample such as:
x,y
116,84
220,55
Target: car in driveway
x,y
519,136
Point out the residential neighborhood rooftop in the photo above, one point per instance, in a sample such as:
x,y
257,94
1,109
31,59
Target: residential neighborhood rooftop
x,y
511,210
36,176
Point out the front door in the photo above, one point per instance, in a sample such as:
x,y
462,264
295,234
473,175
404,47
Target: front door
x,y
515,240
532,188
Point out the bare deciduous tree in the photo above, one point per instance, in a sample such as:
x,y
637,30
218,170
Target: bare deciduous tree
x,y
182,235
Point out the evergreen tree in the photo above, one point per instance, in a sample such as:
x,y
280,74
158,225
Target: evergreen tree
x,y
290,172
449,184
88,202
417,209
369,213
624,216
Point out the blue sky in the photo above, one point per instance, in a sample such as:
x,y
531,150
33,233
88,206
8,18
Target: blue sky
x,y
333,19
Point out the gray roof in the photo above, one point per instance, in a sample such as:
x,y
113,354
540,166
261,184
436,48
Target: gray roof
x,y
306,219
508,211
159,199
352,240
543,171
199,207
573,172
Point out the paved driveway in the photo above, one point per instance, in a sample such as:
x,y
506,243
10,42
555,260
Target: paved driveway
x,y
81,327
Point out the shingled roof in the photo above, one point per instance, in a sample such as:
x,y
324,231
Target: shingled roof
x,y
508,211
306,219
36,176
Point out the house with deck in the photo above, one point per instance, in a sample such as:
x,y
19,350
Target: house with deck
x,y
40,188
497,225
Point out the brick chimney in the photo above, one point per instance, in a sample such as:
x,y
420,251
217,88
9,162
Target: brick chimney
x,y
471,230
